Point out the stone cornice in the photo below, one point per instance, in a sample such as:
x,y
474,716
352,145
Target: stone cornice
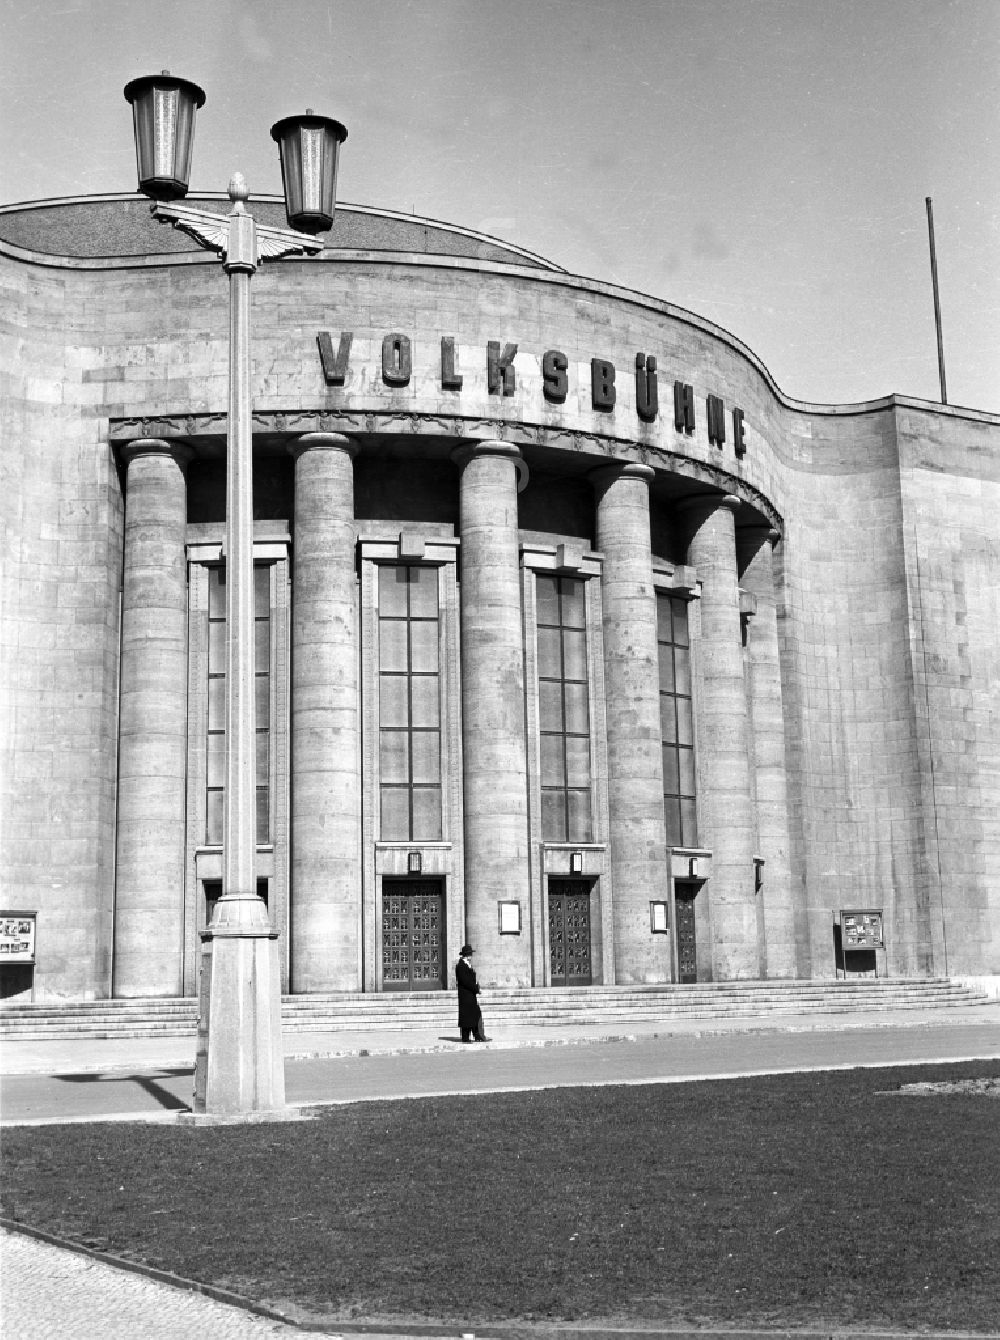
x,y
276,423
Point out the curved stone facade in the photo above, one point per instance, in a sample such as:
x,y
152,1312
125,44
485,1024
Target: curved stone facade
x,y
575,635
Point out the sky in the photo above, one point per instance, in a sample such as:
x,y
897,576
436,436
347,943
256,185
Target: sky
x,y
764,163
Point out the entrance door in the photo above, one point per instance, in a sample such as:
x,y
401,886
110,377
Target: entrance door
x,y
687,959
413,935
569,932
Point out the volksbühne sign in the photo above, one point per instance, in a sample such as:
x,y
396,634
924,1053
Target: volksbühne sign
x,y
501,379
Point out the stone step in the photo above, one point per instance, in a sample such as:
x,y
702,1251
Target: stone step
x,y
709,990
386,1007
338,1012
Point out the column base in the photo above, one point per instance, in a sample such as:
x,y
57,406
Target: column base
x,y
240,1059
250,1118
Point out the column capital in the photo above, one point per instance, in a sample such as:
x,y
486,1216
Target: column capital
x,y
494,446
693,512
761,530
606,475
324,442
157,446
751,539
700,506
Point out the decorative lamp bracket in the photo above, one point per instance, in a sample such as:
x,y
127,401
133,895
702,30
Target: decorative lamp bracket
x,y
273,243
242,243
210,231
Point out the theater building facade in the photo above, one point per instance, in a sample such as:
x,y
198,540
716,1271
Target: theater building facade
x,y
575,636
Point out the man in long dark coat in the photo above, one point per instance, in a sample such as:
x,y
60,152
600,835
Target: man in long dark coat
x,y
470,1016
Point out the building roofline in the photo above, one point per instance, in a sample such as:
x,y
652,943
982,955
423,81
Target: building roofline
x,y
375,211
537,270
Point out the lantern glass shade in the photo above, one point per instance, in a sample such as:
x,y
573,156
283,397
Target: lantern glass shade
x,y
163,111
310,148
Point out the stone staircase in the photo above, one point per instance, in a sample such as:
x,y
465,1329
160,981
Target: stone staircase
x,y
548,1006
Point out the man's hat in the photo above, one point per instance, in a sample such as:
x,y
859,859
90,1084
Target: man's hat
x,y
466,949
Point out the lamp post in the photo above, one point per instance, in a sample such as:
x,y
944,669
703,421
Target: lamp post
x,y
240,1063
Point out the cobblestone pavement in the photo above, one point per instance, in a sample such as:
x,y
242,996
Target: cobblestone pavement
x,y
53,1294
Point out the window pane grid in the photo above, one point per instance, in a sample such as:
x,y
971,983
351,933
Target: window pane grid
x,y
215,789
262,690
564,725
409,703
676,721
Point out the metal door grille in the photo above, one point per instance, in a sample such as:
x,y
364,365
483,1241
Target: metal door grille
x,y
412,935
569,932
687,959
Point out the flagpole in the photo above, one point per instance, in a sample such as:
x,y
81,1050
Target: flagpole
x,y
937,302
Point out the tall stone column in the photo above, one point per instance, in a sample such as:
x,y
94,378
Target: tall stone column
x,y
493,729
755,545
152,733
635,761
724,798
325,895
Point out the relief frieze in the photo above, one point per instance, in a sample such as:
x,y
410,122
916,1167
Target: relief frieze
x,y
212,427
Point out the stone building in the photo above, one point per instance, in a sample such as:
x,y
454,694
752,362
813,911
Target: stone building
x,y
575,636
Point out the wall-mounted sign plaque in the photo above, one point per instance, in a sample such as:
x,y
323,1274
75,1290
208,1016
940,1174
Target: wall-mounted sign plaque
x,y
510,918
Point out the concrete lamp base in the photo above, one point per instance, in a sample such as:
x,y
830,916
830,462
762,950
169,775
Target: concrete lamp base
x,y
239,1061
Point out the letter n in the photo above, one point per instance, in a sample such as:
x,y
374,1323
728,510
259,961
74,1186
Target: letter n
x,y
683,407
716,412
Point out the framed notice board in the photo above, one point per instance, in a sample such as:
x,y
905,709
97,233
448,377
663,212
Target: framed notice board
x,y
860,932
17,937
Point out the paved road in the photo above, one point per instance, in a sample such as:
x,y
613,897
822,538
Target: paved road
x,y
157,1092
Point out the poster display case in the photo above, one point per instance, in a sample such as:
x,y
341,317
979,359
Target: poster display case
x,y
859,935
17,937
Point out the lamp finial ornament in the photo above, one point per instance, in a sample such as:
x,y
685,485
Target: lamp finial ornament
x,y
238,191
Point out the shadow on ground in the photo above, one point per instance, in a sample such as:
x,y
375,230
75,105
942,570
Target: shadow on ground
x,y
147,1083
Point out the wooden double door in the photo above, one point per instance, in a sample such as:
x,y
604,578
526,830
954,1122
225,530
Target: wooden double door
x,y
570,960
413,942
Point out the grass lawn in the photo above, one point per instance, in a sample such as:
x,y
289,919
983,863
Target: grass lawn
x,y
827,1199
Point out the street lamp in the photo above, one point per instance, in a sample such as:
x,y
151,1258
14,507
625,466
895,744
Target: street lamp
x,y
240,1064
